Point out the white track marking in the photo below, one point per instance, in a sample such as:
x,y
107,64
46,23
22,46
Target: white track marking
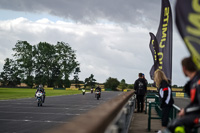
x,y
48,121
37,113
36,107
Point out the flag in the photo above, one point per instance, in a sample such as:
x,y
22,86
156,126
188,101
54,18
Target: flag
x,y
164,38
188,24
153,45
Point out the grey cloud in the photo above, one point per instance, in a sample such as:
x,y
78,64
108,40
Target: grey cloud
x,y
134,12
102,50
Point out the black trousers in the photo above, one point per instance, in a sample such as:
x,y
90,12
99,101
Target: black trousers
x,y
165,115
43,99
140,103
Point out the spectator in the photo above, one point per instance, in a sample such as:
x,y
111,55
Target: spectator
x,y
165,94
143,76
140,91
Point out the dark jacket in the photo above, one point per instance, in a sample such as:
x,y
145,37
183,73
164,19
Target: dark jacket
x,y
146,82
40,89
140,86
192,88
98,88
165,93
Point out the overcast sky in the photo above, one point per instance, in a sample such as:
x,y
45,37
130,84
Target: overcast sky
x,y
111,37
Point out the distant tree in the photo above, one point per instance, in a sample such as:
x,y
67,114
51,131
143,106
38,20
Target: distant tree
x,y
66,58
54,64
3,79
81,82
149,84
86,82
111,83
90,81
123,84
15,79
55,78
24,61
6,72
44,56
5,75
29,81
180,86
174,86
43,63
76,78
131,86
10,74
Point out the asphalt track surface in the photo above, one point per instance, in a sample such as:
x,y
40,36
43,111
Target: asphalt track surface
x,y
23,115
181,102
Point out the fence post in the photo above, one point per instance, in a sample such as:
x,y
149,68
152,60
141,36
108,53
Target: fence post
x,y
146,105
149,118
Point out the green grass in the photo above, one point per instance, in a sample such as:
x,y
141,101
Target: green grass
x,y
17,93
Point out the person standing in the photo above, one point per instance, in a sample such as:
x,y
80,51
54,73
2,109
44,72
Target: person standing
x,y
146,82
165,94
140,91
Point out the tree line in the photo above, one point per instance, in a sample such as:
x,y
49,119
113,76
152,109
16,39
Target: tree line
x,y
50,65
43,63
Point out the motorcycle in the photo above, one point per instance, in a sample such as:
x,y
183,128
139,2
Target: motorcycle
x,y
83,90
91,90
39,97
97,94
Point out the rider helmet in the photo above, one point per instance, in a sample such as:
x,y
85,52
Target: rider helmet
x,y
40,86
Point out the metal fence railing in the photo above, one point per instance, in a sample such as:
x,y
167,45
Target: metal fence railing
x,y
156,105
150,117
113,116
122,121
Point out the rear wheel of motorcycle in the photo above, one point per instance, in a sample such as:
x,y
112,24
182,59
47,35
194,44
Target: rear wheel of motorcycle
x,y
97,98
38,104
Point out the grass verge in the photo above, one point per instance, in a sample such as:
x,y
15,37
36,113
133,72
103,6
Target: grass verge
x,y
17,93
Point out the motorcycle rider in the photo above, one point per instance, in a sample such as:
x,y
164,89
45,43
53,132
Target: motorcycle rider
x,y
40,88
83,91
92,90
189,116
98,89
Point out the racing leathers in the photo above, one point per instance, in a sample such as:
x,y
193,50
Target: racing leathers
x,y
43,91
191,115
98,89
